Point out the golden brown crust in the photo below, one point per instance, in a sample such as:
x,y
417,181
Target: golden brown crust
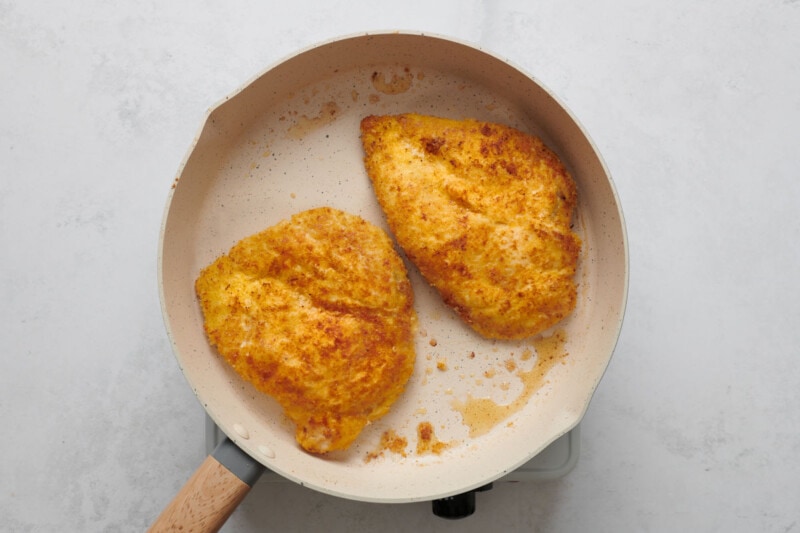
x,y
316,311
484,211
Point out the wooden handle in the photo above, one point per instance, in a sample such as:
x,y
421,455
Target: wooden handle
x,y
205,502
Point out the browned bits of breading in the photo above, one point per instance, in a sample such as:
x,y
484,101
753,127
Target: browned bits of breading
x,y
316,311
484,211
427,442
390,442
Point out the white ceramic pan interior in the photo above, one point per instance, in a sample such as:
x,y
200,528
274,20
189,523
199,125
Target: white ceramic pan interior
x,y
289,141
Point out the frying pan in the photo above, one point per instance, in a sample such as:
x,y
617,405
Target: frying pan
x,y
287,141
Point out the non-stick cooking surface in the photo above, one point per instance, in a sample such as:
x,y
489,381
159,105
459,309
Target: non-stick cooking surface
x,y
289,141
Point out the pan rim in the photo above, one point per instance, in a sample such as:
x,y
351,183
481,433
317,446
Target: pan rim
x,y
623,249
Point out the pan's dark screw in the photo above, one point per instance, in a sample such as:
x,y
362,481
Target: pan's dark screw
x,y
459,505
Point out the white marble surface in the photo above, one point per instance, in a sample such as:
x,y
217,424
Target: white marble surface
x,y
694,105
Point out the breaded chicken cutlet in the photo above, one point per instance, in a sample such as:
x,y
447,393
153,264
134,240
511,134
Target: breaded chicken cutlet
x,y
484,211
316,311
